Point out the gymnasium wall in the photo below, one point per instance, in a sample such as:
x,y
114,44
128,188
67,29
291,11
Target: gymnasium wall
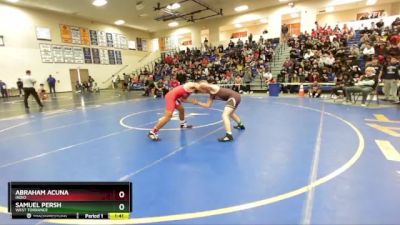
x,y
350,15
308,10
21,50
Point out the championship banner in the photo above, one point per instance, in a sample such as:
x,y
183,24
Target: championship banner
x,y
76,35
111,57
96,56
102,38
93,37
88,55
66,35
68,53
104,57
58,55
85,36
144,45
110,42
139,44
46,53
117,43
124,42
118,57
161,43
78,55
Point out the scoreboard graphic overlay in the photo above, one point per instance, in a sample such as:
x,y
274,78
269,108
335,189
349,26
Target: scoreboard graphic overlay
x,y
70,200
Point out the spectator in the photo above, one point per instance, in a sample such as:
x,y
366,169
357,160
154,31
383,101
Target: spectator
x,y
368,51
3,89
247,78
86,86
20,86
52,84
396,23
285,31
91,81
365,85
238,84
174,83
78,87
250,38
114,81
149,86
390,77
95,87
181,77
160,89
315,77
315,90
308,54
206,43
42,93
339,84
380,25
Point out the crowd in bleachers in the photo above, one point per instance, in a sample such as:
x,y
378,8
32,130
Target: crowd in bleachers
x,y
337,55
341,55
235,65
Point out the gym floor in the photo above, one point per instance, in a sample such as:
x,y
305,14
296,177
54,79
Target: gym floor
x,y
299,161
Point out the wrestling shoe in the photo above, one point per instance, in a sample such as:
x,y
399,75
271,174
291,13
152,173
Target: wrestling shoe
x,y
239,127
186,126
226,138
153,136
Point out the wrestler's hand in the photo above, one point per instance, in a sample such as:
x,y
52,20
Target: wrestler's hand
x,y
195,101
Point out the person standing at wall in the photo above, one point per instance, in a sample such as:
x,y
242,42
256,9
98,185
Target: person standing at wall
x,y
52,84
29,83
3,89
247,78
20,86
285,31
390,77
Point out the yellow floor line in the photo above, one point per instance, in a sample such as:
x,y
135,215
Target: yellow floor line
x,y
388,150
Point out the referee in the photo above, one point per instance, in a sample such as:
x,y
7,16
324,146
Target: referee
x,y
29,89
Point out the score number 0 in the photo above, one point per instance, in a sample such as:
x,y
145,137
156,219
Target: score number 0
x,y
121,195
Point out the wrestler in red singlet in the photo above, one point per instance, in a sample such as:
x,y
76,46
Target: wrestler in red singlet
x,y
173,100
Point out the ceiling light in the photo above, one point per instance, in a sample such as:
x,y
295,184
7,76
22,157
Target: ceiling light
x,y
371,2
238,25
119,22
99,3
143,15
139,6
330,9
294,14
343,2
174,6
241,8
13,1
283,0
173,24
264,20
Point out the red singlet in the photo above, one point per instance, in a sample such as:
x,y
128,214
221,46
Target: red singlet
x,y
173,96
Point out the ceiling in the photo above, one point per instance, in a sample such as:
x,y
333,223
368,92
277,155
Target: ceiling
x,y
140,19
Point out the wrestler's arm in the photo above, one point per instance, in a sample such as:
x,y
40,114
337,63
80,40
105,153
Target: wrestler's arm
x,y
189,100
208,104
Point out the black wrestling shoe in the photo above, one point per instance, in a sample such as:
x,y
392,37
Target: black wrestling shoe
x,y
239,127
185,126
153,136
226,138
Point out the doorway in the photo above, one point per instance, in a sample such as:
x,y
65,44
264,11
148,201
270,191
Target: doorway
x,y
82,76
292,20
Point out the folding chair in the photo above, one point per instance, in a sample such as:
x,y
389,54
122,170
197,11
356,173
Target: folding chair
x,y
371,95
340,96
